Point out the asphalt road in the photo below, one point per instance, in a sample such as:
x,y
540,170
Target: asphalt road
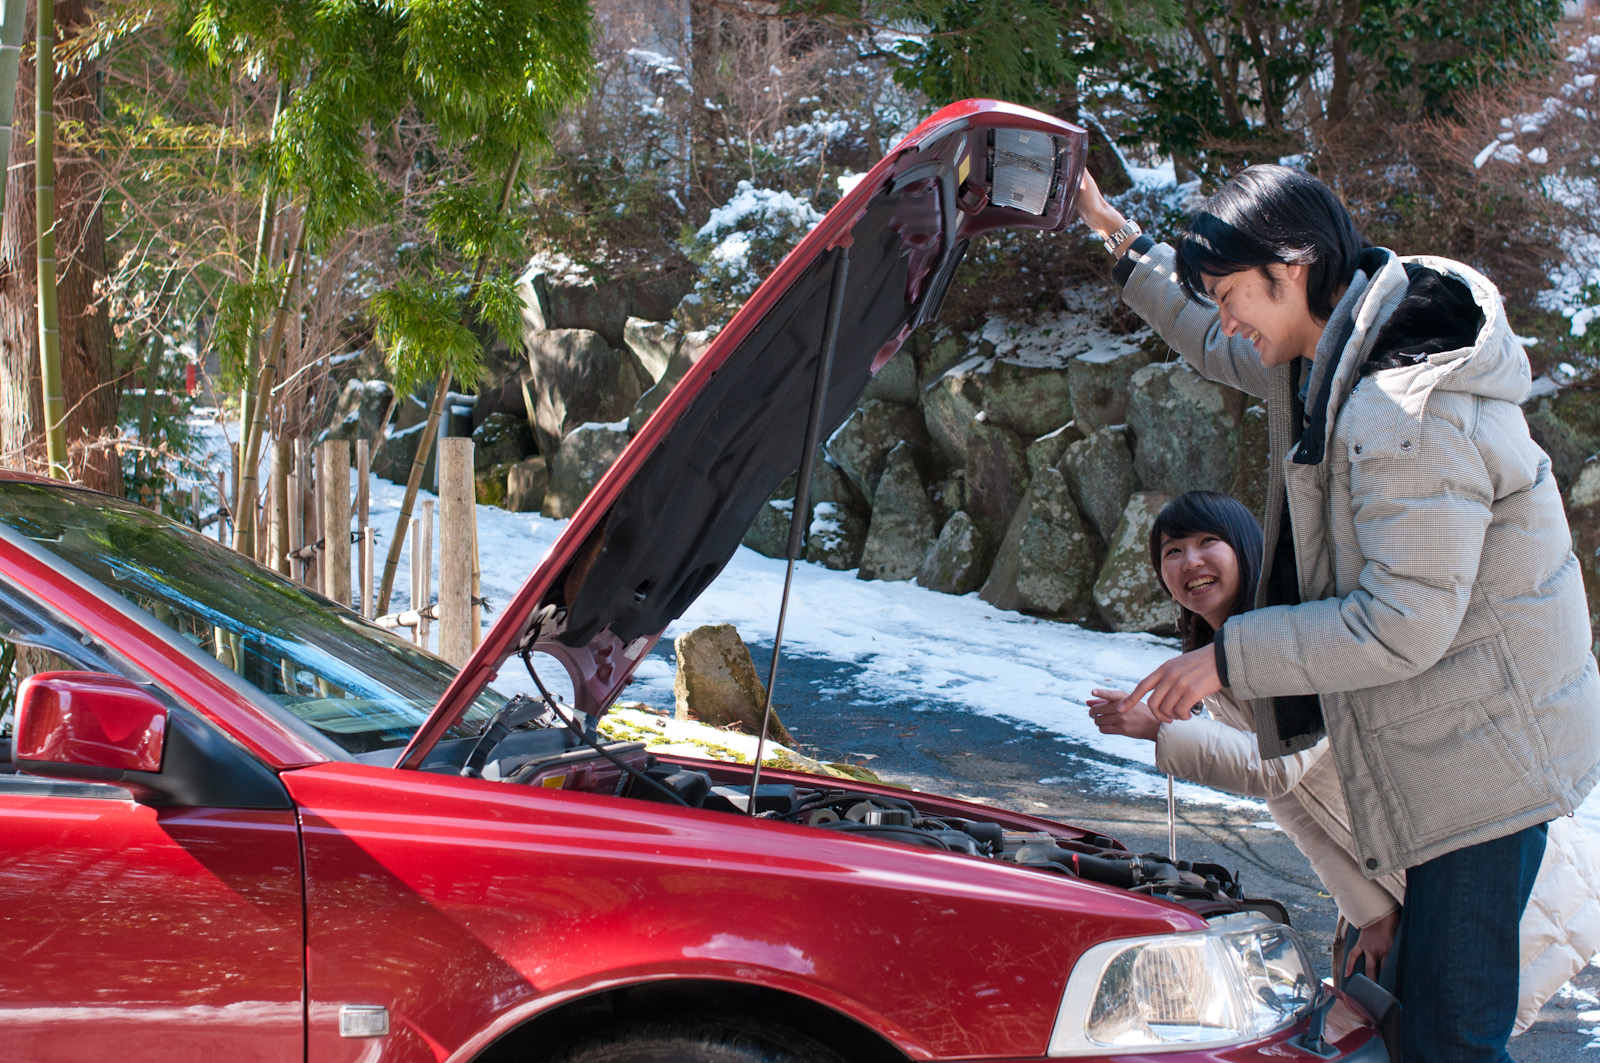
x,y
994,761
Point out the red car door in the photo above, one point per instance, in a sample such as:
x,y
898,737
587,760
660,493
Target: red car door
x,y
132,933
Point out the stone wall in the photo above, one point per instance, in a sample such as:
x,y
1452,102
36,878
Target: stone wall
x,y
1026,464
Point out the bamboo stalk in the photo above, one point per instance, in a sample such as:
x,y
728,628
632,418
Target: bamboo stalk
x,y
436,405
244,537
266,233
427,568
367,603
416,576
297,513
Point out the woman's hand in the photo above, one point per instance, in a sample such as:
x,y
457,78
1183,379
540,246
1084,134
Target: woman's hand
x,y
1375,943
1115,715
1180,684
1096,213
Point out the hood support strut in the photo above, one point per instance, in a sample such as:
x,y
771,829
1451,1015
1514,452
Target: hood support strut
x,y
799,516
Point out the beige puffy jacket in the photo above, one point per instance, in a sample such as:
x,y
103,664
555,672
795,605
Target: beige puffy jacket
x,y
1560,930
1443,620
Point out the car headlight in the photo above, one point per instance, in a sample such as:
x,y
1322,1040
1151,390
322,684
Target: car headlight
x,y
1241,978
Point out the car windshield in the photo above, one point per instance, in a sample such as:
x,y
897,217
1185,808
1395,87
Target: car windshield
x,y
362,686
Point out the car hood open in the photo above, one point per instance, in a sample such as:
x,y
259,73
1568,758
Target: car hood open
x,y
668,516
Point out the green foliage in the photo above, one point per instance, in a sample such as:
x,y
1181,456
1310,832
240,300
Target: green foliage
x,y
742,242
419,326
1017,50
1432,52
1224,83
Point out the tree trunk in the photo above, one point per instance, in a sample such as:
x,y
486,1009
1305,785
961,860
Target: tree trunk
x,y
85,329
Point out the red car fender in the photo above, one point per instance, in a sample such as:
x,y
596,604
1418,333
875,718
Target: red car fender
x,y
467,907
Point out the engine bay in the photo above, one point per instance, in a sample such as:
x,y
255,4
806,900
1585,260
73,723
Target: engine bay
x,y
534,743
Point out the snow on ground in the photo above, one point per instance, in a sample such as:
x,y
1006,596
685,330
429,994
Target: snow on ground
x,y
909,645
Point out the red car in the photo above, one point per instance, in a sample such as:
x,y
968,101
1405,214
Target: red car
x,y
243,824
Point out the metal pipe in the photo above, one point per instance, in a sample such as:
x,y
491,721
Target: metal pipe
x,y
798,518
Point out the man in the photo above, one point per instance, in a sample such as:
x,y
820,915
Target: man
x,y
1426,609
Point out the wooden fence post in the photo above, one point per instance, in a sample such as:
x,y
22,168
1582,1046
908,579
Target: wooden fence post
x,y
335,462
278,534
363,481
455,549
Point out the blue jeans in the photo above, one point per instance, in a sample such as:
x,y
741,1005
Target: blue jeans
x,y
1458,949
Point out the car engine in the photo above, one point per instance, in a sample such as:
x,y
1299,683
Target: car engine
x,y
533,745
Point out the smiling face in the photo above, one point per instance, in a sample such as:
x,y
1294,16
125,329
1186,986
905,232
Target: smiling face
x,y
1269,309
1201,572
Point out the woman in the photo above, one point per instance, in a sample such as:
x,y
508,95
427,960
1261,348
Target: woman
x,y
1423,607
1206,551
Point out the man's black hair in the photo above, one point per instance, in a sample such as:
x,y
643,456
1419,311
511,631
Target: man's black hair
x,y
1272,214
1209,513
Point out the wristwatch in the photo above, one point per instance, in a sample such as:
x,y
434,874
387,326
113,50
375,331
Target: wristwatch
x,y
1129,228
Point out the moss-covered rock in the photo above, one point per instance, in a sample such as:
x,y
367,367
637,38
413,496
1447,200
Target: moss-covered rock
x,y
860,447
1099,470
1048,560
1186,429
904,524
960,558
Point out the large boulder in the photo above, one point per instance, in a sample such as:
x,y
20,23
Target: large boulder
x,y
574,299
1049,557
1127,592
359,414
1250,478
688,351
579,378
1027,394
861,446
583,457
1099,470
959,560
1046,451
1567,426
904,523
768,534
836,536
394,458
934,354
489,484
653,343
501,387
501,439
717,684
1098,379
997,475
896,381
949,404
526,485
1186,429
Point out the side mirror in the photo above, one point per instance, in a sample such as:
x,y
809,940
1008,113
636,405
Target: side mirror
x,y
89,726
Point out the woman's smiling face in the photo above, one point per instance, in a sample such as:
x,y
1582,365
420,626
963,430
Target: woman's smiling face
x,y
1201,572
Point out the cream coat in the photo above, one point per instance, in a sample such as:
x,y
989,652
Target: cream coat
x,y
1443,622
1560,930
